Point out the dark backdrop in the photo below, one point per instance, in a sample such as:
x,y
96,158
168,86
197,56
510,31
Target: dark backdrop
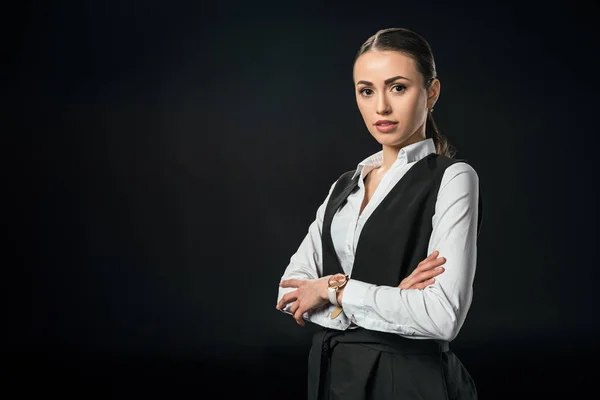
x,y
170,157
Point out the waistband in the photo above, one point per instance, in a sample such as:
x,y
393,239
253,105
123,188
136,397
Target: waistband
x,y
325,340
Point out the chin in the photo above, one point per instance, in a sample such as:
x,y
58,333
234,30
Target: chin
x,y
393,139
389,139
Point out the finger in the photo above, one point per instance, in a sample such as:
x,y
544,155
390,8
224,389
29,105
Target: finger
x,y
428,264
421,278
426,275
287,298
431,264
294,307
406,282
438,261
298,316
430,257
292,283
423,285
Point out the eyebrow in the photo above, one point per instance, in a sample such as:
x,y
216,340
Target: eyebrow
x,y
387,81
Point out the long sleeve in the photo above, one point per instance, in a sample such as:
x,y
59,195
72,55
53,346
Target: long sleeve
x,y
306,263
438,311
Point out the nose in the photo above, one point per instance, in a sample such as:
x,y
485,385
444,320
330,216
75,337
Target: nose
x,y
383,105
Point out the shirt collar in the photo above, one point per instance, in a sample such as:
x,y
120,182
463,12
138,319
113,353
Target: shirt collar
x,y
411,153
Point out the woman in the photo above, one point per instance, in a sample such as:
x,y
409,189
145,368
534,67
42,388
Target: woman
x,y
370,271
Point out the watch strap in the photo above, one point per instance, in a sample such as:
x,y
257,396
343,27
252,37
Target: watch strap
x,y
332,294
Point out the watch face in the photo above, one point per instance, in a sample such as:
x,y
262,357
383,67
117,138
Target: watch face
x,y
336,280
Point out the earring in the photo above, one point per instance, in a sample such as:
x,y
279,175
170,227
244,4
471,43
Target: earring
x,y
431,109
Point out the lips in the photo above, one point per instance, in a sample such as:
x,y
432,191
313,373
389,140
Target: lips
x,y
385,122
386,125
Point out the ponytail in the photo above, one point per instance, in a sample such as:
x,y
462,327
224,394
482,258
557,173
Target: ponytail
x,y
442,146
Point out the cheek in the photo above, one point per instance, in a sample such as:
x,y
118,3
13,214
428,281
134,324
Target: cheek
x,y
363,107
414,107
360,106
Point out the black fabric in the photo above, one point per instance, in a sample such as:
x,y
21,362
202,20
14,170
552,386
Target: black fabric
x,y
360,359
360,364
396,236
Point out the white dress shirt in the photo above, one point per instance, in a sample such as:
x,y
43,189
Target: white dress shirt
x,y
438,311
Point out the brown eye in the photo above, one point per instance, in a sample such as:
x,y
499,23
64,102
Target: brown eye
x,y
399,88
366,92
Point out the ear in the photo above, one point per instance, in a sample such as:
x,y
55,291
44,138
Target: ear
x,y
433,93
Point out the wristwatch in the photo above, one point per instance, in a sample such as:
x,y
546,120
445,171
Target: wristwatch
x,y
335,283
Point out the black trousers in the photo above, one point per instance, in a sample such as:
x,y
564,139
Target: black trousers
x,y
362,365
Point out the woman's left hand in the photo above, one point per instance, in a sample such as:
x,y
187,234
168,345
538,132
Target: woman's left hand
x,y
310,293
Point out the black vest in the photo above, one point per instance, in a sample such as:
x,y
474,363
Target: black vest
x,y
393,241
395,238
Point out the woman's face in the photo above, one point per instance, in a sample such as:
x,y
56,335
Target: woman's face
x,y
392,98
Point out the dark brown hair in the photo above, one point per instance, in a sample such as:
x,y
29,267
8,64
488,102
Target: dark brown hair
x,y
415,46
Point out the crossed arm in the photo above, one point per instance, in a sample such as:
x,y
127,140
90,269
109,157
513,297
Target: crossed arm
x,y
417,308
312,293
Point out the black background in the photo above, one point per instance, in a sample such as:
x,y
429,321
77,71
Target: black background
x,y
169,157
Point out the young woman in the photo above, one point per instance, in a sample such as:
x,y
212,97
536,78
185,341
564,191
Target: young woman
x,y
387,267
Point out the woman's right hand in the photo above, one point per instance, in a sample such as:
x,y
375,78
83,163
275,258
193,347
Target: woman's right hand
x,y
425,273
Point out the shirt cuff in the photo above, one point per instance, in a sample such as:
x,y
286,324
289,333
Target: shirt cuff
x,y
353,300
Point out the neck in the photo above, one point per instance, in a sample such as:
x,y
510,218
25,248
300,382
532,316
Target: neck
x,y
390,153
